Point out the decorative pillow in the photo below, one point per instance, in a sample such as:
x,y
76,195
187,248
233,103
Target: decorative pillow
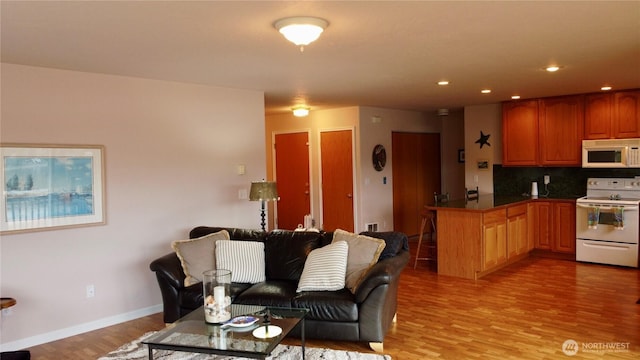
x,y
364,252
198,255
325,268
245,259
395,241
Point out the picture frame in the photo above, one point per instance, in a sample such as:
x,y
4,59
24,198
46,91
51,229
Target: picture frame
x,y
460,155
49,187
483,165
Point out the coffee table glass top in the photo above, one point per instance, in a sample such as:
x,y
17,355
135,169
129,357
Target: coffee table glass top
x,y
191,333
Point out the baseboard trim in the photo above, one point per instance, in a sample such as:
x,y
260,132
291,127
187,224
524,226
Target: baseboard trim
x,y
79,329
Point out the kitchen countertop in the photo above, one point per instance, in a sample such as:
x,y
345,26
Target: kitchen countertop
x,y
491,202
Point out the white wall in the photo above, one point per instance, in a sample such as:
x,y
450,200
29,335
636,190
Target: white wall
x,y
171,151
488,119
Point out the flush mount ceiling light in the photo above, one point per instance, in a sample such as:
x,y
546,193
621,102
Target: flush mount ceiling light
x,y
443,83
553,68
605,88
300,110
301,30
486,91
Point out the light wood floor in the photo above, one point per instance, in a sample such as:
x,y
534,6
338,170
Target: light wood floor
x,y
525,311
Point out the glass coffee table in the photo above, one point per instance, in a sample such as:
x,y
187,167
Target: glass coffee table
x,y
192,334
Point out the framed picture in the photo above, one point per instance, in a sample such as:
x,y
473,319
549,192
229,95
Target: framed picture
x,y
460,155
483,164
51,186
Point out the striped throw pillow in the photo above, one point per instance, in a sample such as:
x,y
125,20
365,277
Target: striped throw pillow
x,y
245,259
325,268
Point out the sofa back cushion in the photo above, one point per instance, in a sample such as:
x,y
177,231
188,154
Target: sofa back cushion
x,y
234,233
395,242
286,252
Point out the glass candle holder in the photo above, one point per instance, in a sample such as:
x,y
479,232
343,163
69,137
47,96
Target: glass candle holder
x,y
216,285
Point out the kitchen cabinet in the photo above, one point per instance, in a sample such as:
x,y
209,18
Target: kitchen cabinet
x,y
552,225
564,227
520,133
612,115
545,132
561,129
494,238
517,231
626,119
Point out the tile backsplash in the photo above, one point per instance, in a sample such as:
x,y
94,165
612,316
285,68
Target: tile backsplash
x,y
564,182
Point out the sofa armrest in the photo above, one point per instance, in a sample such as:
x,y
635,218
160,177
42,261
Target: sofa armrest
x,y
383,272
170,269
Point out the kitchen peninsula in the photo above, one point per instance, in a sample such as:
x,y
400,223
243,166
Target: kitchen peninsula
x,y
477,237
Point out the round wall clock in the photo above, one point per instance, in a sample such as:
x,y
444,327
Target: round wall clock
x,y
379,157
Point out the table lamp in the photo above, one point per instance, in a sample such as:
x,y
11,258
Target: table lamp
x,y
263,191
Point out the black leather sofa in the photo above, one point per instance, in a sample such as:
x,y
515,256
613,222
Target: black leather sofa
x,y
334,315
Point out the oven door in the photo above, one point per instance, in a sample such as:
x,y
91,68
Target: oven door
x,y
605,229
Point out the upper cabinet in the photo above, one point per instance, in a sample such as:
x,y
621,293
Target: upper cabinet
x,y
520,133
545,132
613,115
561,122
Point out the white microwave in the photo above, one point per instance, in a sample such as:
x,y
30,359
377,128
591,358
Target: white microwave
x,y
611,153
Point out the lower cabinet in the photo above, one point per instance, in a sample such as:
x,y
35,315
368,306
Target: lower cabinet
x,y
494,231
517,231
552,225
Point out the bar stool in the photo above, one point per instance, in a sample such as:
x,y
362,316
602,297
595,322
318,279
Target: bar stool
x,y
429,216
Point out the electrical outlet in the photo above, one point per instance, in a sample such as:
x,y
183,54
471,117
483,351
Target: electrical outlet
x,y
546,179
91,291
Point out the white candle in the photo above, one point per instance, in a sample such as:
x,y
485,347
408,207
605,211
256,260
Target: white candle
x,y
218,295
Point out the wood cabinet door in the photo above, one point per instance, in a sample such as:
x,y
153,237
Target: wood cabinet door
x,y
517,230
494,239
597,116
564,227
626,121
561,129
543,225
520,133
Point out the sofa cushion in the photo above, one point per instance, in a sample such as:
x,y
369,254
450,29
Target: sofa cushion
x,y
395,241
325,268
245,259
276,293
286,252
328,305
364,252
198,255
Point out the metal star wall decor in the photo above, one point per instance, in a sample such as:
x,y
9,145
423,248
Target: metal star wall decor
x,y
484,139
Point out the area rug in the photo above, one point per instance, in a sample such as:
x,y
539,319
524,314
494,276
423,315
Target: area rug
x,y
136,350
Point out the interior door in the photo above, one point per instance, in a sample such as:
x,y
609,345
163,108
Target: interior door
x,y
292,177
336,152
416,176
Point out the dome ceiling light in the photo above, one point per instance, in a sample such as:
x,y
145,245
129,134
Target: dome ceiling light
x,y
301,30
300,110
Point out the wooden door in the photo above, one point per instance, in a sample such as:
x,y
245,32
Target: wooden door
x,y
292,177
626,122
597,116
564,229
416,176
336,153
561,129
520,132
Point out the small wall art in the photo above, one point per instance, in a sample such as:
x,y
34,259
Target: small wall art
x,y
483,164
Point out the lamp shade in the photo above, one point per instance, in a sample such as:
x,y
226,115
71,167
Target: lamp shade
x,y
301,30
263,191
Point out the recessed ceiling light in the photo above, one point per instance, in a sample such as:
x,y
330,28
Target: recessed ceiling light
x,y
486,91
443,82
515,97
552,68
605,88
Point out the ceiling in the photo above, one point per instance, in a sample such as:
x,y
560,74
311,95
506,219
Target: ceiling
x,y
374,53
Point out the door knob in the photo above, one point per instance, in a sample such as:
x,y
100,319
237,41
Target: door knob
x,y
349,196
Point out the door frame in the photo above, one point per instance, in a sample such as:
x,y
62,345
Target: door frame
x,y
274,167
356,197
